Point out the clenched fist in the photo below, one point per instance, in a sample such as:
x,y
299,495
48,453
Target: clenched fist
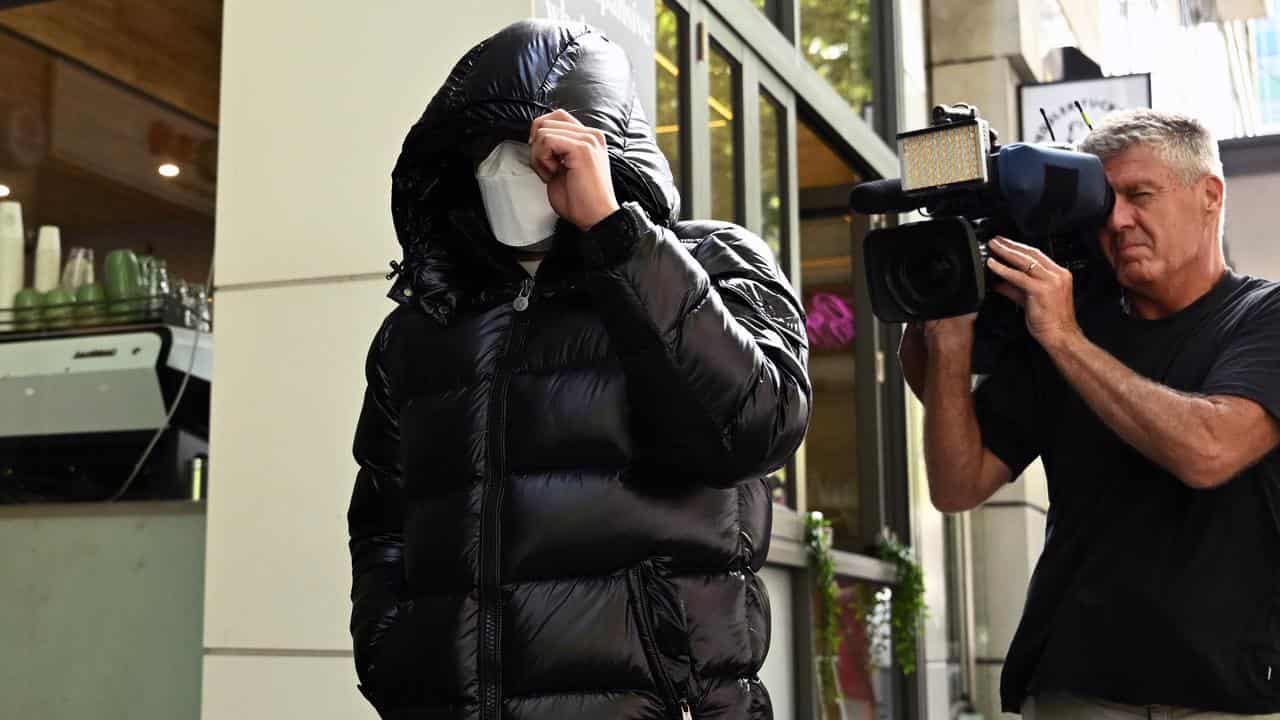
x,y
573,160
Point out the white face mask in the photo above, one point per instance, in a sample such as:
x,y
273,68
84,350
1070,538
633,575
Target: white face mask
x,y
515,198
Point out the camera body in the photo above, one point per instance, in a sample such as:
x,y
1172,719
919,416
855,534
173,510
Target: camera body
x,y
973,189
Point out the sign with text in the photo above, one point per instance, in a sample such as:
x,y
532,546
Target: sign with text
x,y
628,23
1099,98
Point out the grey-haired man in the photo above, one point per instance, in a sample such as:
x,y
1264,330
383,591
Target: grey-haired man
x,y
1158,590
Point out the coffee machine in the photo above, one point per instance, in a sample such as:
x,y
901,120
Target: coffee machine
x,y
79,408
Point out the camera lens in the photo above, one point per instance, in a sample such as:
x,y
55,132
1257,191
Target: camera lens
x,y
934,271
923,279
924,270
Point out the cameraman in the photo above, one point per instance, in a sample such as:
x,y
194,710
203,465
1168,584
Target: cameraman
x,y
1158,590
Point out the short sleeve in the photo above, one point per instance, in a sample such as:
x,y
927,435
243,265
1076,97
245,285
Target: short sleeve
x,y
1004,402
1248,365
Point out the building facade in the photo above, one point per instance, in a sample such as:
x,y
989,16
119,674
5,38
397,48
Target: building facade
x,y
769,112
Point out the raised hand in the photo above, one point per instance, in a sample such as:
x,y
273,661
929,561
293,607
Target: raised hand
x,y
573,160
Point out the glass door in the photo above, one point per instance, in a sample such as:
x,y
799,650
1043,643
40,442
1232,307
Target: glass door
x,y
757,144
749,148
746,150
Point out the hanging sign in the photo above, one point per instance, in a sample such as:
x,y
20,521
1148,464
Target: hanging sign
x,y
1099,98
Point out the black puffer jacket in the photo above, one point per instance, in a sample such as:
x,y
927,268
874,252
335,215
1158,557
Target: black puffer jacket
x,y
559,512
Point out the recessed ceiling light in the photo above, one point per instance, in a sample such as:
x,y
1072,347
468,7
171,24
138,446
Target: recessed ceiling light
x,y
169,170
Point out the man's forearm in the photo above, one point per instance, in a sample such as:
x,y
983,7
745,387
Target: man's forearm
x,y
1170,428
952,438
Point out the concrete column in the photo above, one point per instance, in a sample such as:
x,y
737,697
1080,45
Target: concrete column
x,y
929,541
1007,537
981,50
316,99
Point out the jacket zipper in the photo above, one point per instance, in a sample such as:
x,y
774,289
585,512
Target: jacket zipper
x,y
651,650
491,515
521,303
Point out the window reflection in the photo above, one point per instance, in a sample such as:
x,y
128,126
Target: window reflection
x,y
668,52
109,166
827,269
772,165
722,99
108,152
773,221
863,670
835,37
956,621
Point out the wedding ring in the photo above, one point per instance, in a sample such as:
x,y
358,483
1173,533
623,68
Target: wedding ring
x,y
1034,264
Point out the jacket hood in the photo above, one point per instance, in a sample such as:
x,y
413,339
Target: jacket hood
x,y
494,93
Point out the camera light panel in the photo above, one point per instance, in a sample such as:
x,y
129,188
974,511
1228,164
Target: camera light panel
x,y
947,155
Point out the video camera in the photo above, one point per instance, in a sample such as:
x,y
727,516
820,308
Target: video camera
x,y
974,189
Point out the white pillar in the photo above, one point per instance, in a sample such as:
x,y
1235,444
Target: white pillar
x,y
316,99
1007,537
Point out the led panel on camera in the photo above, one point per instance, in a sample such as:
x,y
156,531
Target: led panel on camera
x,y
948,155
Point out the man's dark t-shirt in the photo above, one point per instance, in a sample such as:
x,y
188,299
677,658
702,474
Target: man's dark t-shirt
x,y
1148,591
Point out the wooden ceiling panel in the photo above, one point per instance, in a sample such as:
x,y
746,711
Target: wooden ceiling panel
x,y
169,49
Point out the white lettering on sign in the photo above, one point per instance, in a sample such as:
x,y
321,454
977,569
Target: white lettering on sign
x,y
1069,125
623,12
558,12
1099,97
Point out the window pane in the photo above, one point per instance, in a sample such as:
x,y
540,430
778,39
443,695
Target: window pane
x,y
722,128
827,267
863,669
956,617
108,180
835,37
773,221
1267,32
772,165
668,53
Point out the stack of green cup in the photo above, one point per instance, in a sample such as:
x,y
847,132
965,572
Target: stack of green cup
x,y
57,309
91,304
9,313
26,310
123,285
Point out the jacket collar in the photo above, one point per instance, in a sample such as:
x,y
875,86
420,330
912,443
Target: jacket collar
x,y
441,282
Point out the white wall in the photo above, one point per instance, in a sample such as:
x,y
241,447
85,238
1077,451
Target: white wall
x,y
101,610
316,98
1007,537
1252,167
1253,218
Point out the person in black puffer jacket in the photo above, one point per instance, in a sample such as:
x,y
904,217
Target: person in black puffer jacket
x,y
560,508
